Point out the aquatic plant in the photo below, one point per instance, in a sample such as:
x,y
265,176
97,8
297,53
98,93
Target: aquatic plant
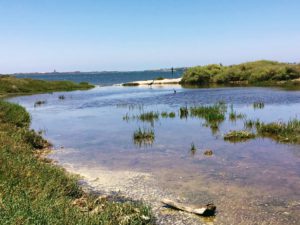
x,y
258,105
193,148
238,136
126,117
249,124
61,97
143,136
159,78
164,114
168,115
283,132
148,116
172,115
183,112
211,113
39,103
233,116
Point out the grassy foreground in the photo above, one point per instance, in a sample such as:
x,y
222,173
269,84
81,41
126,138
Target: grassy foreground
x,y
259,72
12,85
35,191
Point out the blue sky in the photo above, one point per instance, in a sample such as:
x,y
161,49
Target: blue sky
x,y
89,35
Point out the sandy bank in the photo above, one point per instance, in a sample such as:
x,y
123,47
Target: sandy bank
x,y
154,82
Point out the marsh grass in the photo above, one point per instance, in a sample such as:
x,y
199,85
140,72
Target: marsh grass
x,y
213,114
148,116
239,136
233,116
183,112
258,105
283,132
143,136
250,124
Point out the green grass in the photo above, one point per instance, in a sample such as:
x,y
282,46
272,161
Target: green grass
x,y
238,136
265,72
10,85
288,132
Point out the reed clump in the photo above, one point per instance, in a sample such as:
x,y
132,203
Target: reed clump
x,y
149,116
211,113
143,136
183,112
280,131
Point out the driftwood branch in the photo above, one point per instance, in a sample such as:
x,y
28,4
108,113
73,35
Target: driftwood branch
x,y
208,210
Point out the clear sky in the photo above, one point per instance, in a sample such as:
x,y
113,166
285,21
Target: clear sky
x,y
89,35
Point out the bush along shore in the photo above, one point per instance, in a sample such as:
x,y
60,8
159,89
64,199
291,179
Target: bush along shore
x,y
253,73
35,191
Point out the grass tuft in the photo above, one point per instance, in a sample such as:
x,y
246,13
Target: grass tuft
x,y
143,136
238,136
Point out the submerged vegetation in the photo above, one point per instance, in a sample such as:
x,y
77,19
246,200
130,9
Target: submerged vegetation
x,y
268,72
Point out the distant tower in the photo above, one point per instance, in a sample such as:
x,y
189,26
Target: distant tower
x,y
54,71
172,69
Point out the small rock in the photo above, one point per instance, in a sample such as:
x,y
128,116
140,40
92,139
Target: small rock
x,y
208,152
